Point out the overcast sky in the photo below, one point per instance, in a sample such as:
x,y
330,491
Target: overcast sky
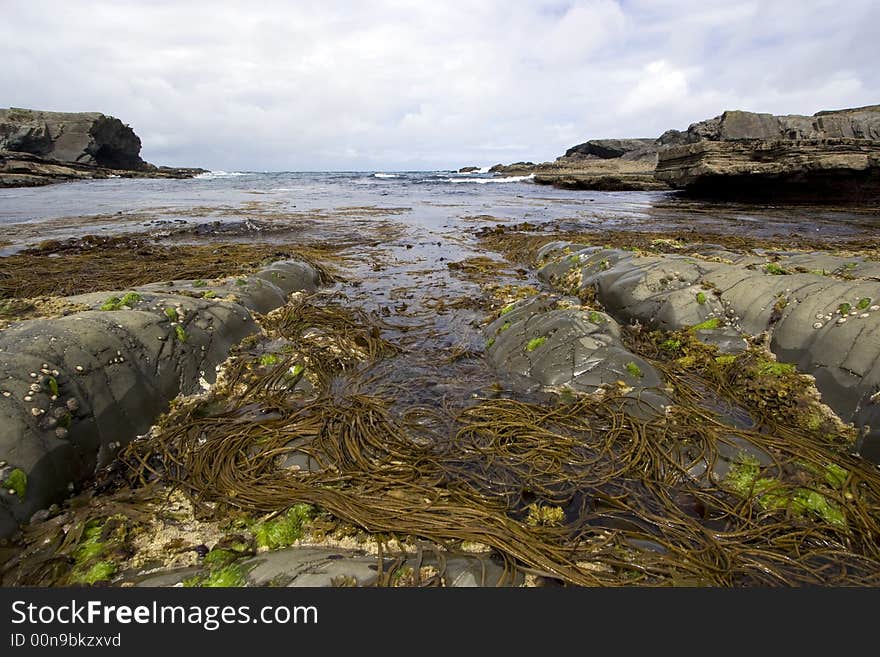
x,y
401,84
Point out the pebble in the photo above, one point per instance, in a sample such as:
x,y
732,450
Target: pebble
x,y
37,412
28,398
33,375
820,316
61,433
874,308
864,315
842,320
79,368
6,393
817,325
11,491
35,387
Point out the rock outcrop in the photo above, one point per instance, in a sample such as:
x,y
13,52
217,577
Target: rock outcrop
x,y
599,164
819,312
828,157
39,148
73,390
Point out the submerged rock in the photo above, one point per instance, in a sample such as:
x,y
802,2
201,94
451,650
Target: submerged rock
x,y
78,388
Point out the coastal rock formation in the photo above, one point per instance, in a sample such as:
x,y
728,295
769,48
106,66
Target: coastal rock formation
x,y
598,164
858,123
78,138
73,390
38,148
609,149
831,156
819,312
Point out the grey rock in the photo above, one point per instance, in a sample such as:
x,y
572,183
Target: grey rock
x,y
570,347
745,299
82,138
117,371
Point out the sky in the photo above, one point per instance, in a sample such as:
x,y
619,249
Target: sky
x,y
303,85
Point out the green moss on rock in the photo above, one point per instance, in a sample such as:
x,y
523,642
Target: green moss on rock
x,y
535,343
16,481
283,530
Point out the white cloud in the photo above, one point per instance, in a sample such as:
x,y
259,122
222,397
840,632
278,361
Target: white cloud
x,y
411,84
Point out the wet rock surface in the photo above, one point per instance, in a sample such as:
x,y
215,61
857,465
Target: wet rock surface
x,y
75,389
326,567
551,343
818,311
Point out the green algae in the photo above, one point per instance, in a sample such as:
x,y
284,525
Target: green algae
x,y
17,481
507,308
268,360
709,325
209,294
844,308
229,576
864,303
725,360
540,515
504,326
219,557
172,314
596,318
52,383
284,529
671,345
774,269
116,303
535,343
744,478
490,342
199,283
634,370
701,298
773,368
99,571
180,332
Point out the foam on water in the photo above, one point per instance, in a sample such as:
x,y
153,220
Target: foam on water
x,y
385,175
211,175
483,181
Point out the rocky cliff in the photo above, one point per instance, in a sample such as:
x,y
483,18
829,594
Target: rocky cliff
x,y
832,156
38,148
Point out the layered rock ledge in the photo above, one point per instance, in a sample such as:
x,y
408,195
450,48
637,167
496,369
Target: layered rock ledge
x,y
74,390
830,157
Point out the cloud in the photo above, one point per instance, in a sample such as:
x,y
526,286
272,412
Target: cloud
x,y
409,84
